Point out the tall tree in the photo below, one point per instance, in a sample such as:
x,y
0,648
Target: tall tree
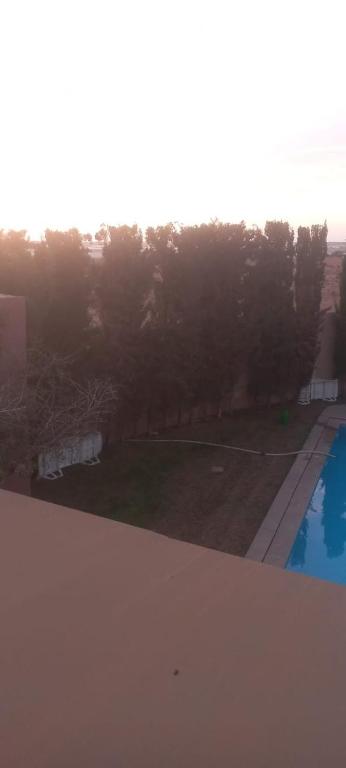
x,y
16,263
61,292
163,329
213,259
123,280
311,251
270,312
340,341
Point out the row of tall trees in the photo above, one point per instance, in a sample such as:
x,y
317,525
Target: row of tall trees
x,y
340,344
177,315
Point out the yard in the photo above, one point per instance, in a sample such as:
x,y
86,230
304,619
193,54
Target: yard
x,y
171,489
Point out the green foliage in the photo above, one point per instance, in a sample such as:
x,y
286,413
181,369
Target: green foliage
x,y
61,292
311,250
16,263
212,269
121,286
340,346
270,312
177,316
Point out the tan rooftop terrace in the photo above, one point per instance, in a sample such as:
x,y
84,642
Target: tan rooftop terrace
x,y
121,648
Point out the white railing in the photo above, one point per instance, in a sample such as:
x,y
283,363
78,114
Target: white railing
x,y
319,389
79,450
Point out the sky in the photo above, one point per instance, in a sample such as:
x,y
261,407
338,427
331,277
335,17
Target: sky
x,y
148,111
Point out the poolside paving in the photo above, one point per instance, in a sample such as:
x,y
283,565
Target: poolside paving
x,y
276,535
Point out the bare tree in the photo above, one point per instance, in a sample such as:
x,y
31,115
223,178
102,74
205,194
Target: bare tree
x,y
45,406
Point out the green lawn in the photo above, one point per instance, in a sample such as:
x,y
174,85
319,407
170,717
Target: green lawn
x,y
171,489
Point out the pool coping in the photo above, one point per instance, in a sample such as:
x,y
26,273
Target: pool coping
x,y
276,535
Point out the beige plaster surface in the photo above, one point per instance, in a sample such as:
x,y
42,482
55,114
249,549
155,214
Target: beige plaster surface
x,y
120,648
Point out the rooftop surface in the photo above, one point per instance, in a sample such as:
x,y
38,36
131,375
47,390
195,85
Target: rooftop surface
x,y
122,648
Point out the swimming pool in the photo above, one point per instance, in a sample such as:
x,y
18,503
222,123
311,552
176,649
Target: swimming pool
x,y
319,549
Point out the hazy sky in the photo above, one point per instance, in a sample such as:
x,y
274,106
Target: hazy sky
x,y
183,110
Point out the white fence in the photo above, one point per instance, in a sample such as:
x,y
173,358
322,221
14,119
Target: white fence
x,y
80,450
319,389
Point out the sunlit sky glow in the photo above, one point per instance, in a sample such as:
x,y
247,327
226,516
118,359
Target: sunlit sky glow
x,y
154,110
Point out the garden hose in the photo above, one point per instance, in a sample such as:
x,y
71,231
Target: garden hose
x,y
234,447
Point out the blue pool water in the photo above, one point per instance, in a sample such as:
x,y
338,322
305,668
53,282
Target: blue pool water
x,y
319,548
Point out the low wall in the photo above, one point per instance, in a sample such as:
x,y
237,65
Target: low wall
x,y
123,428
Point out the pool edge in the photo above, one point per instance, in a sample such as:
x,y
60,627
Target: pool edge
x,y
276,535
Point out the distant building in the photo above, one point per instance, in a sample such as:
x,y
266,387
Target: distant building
x,y
336,248
95,249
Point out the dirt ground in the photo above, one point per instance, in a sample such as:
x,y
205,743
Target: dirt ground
x,y
171,488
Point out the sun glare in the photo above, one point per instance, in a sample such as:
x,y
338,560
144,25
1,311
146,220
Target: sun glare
x,y
185,111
